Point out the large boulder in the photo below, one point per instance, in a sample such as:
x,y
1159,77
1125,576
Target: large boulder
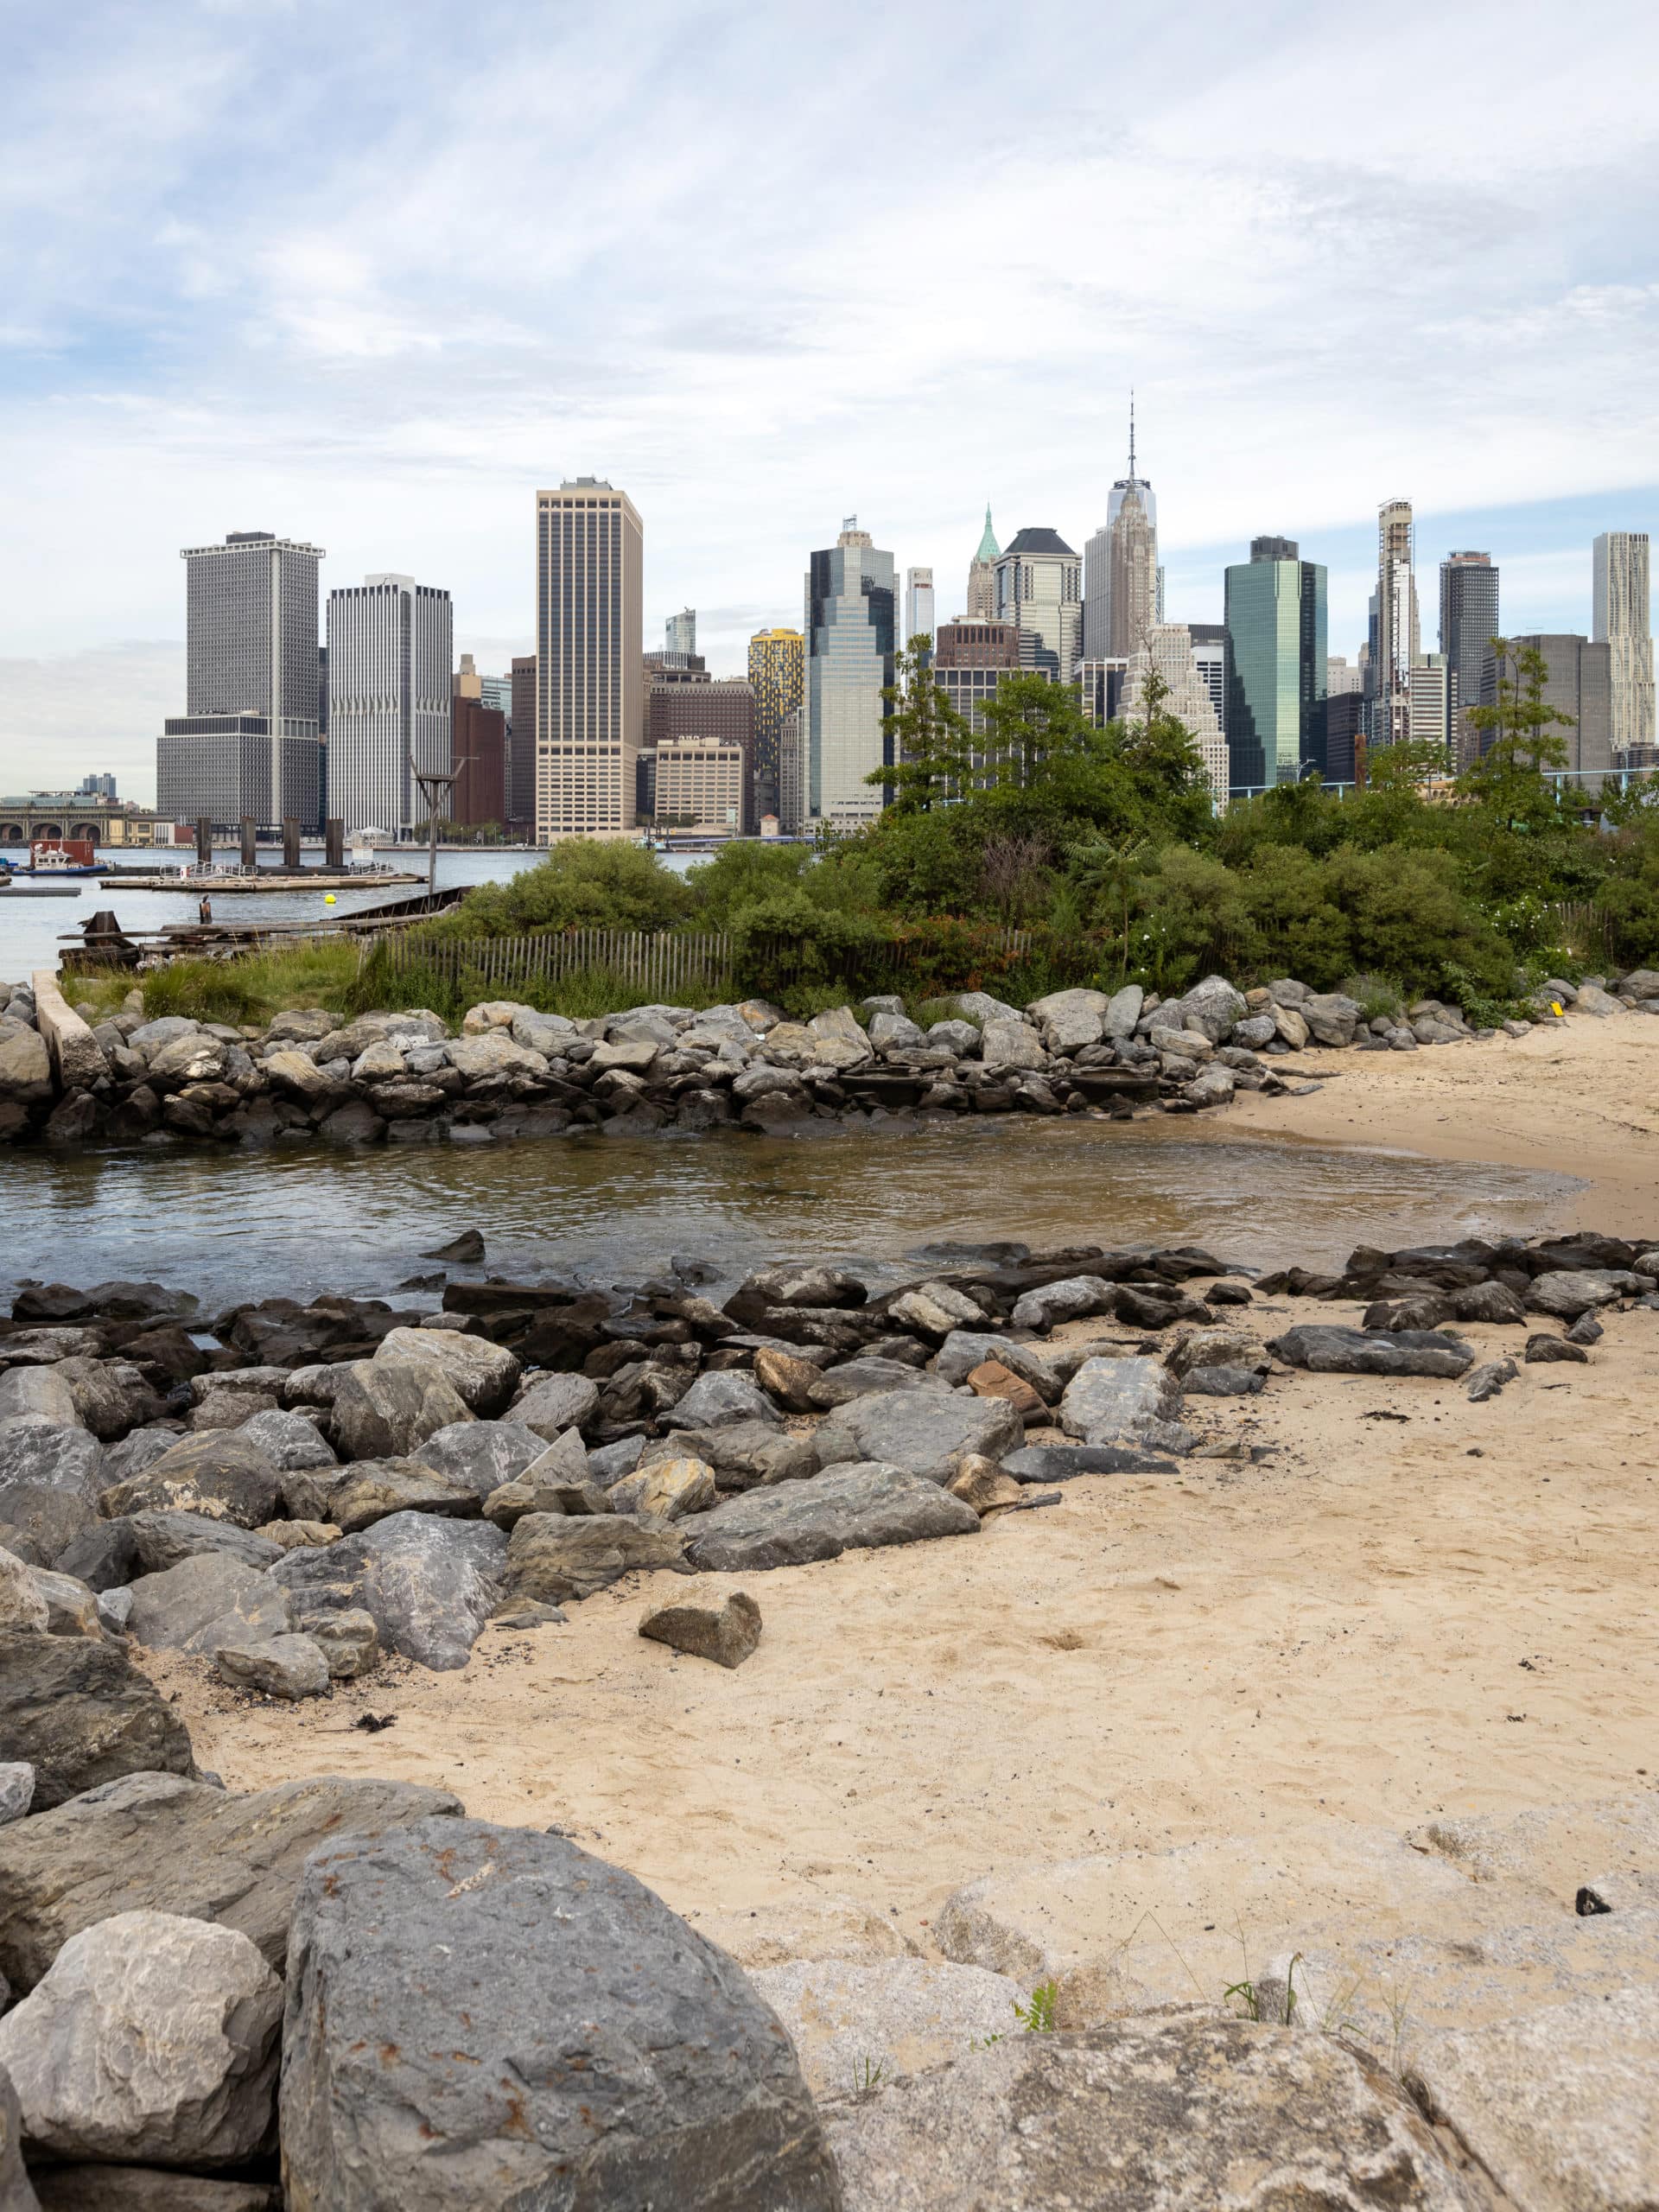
x,y
383,1409
1113,1401
1186,2115
207,1600
926,1432
110,1395
1325,1350
853,2023
1568,1292
553,1557
356,1496
1009,1045
482,1374
288,1440
38,1394
853,1508
743,1457
81,1713
552,1404
430,1583
1211,1007
162,1843
1074,1297
25,1068
152,2036
217,1474
160,1541
488,2017
721,1400
482,1455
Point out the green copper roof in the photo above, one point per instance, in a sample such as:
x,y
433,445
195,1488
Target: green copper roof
x,y
989,548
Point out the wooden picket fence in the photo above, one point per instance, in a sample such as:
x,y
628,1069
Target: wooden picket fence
x,y
666,967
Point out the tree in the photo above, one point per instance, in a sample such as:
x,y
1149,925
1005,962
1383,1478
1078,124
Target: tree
x,y
1509,775
1031,727
932,743
1158,745
1112,872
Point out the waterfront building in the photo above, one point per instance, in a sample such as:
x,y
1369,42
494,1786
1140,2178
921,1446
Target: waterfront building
x,y
96,787
521,747
1621,622
1396,643
920,620
980,604
391,662
1276,664
1167,648
1469,622
716,711
681,631
232,767
1040,590
775,666
1578,683
851,612
701,783
478,746
590,658
1210,652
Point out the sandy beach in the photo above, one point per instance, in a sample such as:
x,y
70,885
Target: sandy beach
x,y
1408,1604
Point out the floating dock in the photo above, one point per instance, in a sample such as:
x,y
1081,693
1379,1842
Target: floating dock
x,y
258,880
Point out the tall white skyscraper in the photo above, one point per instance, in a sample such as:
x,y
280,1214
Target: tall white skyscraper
x,y
1168,647
1122,556
919,619
1396,643
390,655
590,658
1621,615
850,613
681,631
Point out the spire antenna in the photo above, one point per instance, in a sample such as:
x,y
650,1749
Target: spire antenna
x,y
1131,432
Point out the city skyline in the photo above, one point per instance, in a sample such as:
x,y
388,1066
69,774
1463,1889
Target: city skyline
x,y
191,345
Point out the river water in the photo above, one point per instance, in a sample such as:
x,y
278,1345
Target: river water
x,y
231,1224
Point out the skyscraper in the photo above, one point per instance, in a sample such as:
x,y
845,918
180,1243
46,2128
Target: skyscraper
x,y
775,660
590,658
1469,622
1397,645
1040,590
851,615
982,576
681,631
1340,677
1621,621
1122,583
1579,684
391,653
521,747
919,621
1166,647
1434,715
1210,652
1276,625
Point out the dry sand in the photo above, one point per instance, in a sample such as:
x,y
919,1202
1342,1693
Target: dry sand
x,y
1383,1619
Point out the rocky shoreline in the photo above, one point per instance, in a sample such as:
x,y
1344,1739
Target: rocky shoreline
x,y
513,1073
287,1493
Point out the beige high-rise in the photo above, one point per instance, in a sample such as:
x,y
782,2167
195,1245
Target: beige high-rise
x,y
1399,645
590,658
1620,595
1166,647
1132,564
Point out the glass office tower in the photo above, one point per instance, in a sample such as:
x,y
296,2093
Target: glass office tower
x,y
1276,625
851,615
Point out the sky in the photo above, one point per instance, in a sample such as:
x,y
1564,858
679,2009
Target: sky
x,y
368,275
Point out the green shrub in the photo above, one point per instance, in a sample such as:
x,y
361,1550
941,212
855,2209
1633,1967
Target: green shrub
x,y
585,883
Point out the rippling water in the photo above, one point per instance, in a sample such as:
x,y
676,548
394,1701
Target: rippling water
x,y
237,1225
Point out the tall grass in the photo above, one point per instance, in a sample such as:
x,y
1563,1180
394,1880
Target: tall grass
x,y
250,988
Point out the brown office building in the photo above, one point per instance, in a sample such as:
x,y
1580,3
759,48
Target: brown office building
x,y
521,747
723,710
480,764
976,645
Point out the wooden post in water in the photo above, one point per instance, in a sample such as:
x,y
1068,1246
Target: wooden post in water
x,y
291,843
250,843
334,844
204,842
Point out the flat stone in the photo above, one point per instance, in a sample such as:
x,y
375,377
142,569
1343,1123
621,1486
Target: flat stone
x,y
81,1713
552,1558
854,2025
384,1409
161,1842
1223,1383
1058,1463
39,1394
925,1432
851,1508
1075,1298
982,1484
207,1599
152,2036
743,1457
1182,2115
866,1378
161,1540
1568,1292
354,1497
220,1475
963,1350
439,1980
726,1633
667,1489
1325,1349
288,1440
145,2189
933,1310
290,1666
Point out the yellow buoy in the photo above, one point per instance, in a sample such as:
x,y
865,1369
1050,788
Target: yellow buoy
x,y
328,898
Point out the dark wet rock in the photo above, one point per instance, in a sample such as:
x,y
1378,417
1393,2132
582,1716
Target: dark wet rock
x,y
1543,1348
81,1713
1325,1350
851,1508
466,1250
146,2188
1486,1301
1587,1330
1223,1381
110,1395
439,1980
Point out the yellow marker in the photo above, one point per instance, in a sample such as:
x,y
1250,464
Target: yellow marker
x,y
328,900
1555,1005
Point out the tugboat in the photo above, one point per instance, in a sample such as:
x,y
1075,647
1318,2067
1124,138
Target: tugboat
x,y
61,856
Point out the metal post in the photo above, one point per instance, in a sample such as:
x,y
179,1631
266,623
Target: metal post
x,y
204,841
432,781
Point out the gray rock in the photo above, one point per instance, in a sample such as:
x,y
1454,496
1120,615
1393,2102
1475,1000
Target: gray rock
x,y
50,1476
430,1584
81,1713
200,2004
611,1461
554,1557
744,1456
1223,1381
1331,1018
933,1310
1488,1379
38,1394
290,1667
854,1508
1329,1351
219,1474
483,1375
864,1378
16,1791
110,1395
959,1038
964,1350
853,2023
142,1448
160,1541
1115,1400
354,1497
288,1440
159,1842
726,1633
1058,1463
722,1399
439,1982
349,1641
1123,1011
482,1455
809,1286
1015,1044
1486,1301
1213,1087
385,1409
1558,2105
207,1599
147,2188
1075,1298
115,1609
1543,1347
1212,1007
1182,2114
21,1603
1568,1292
15,2194
926,1432
551,1403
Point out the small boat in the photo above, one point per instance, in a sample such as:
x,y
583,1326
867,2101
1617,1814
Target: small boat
x,y
57,857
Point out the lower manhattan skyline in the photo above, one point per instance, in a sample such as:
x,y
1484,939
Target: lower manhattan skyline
x,y
387,348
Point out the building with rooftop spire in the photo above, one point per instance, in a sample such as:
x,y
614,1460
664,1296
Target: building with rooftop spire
x,y
982,576
1123,591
